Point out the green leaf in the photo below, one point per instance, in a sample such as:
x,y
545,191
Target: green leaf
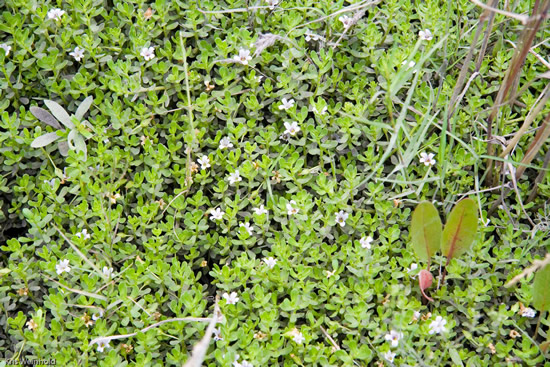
x,y
45,117
84,107
455,357
541,291
63,148
460,229
4,271
44,140
426,231
59,113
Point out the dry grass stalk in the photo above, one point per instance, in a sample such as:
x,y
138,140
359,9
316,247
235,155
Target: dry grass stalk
x,y
537,264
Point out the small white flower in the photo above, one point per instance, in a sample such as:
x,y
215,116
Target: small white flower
x,y
427,159
98,315
311,36
346,21
290,209
78,53
216,214
413,267
107,271
243,57
50,182
248,227
394,337
425,35
102,344
84,234
55,14
246,364
416,315
231,298
204,161
225,143
62,266
438,325
298,338
292,129
528,312
330,273
148,53
259,78
261,210
323,111
341,218
389,356
6,48
217,334
270,262
234,177
410,64
272,3
286,104
365,242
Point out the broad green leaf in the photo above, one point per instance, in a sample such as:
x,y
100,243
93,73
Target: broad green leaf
x,y
460,229
83,107
425,230
59,113
45,117
44,140
541,290
4,271
80,145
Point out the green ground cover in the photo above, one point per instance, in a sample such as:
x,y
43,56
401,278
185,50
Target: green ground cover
x,y
160,161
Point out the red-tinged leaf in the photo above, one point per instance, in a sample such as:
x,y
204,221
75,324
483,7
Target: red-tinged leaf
x,y
425,231
460,229
541,290
425,280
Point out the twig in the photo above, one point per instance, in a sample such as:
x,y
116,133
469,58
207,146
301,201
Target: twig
x,y
522,18
537,264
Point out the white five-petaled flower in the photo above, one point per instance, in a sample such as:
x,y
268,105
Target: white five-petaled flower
x,y
298,337
217,334
78,53
365,242
216,214
425,35
261,210
98,315
62,267
148,53
438,325
286,104
410,64
427,158
270,262
102,344
290,209
248,227
389,356
394,337
243,57
107,271
225,143
346,21
204,161
6,48
84,234
55,14
528,312
272,3
234,177
341,218
292,128
231,298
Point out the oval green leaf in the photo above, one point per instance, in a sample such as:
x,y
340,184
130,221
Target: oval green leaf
x,y
541,291
84,107
425,231
460,229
